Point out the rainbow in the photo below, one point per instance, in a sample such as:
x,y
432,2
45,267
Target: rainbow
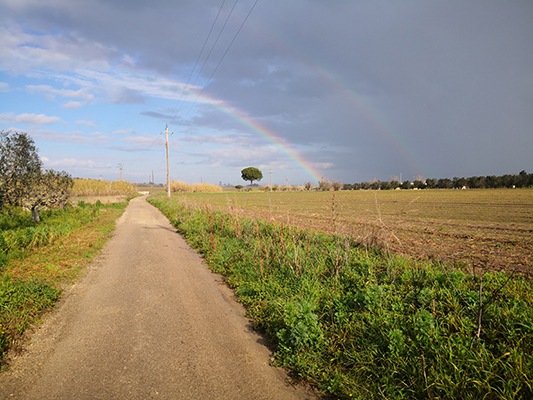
x,y
266,133
368,114
378,124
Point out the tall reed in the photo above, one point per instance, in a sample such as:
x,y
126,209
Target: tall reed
x,y
93,187
182,187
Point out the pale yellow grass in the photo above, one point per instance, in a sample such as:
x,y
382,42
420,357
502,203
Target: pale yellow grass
x,y
182,187
93,187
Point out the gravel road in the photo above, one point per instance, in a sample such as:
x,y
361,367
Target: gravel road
x,y
148,320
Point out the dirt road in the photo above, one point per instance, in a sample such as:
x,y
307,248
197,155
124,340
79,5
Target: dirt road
x,y
147,321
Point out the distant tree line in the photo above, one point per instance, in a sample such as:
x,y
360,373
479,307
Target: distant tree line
x,y
521,180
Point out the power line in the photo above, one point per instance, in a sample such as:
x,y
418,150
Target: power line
x,y
180,102
211,50
216,41
223,55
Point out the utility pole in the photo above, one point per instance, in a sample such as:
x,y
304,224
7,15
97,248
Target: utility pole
x,y
168,168
270,180
120,166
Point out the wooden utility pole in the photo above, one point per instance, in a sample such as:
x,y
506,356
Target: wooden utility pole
x,y
121,166
168,168
270,180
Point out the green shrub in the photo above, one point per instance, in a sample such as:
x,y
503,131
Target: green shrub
x,y
361,324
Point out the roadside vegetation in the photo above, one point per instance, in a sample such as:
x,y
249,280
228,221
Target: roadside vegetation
x,y
182,187
93,187
44,240
362,322
481,229
38,259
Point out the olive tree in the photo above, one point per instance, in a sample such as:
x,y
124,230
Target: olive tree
x,y
51,188
19,163
22,181
251,174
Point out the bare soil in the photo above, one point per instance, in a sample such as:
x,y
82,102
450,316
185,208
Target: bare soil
x,y
480,230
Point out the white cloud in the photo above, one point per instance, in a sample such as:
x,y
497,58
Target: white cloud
x,y
74,60
124,132
72,105
68,137
7,118
145,141
4,87
49,90
23,52
74,163
32,119
87,123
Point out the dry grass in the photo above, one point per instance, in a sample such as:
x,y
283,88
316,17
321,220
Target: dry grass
x,y
182,187
93,187
488,229
101,199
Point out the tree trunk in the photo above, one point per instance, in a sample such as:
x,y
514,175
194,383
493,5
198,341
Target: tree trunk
x,y
35,215
251,185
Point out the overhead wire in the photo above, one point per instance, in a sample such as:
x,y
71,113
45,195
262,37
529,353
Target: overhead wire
x,y
180,101
223,55
216,41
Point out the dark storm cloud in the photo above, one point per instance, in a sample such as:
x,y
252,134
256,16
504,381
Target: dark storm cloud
x,y
439,88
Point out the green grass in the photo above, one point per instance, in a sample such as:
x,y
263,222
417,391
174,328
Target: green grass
x,y
360,323
37,260
486,229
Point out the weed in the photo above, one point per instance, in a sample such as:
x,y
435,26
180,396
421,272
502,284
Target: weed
x,y
363,323
37,259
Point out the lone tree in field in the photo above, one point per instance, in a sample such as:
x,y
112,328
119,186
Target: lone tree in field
x,y
22,181
251,174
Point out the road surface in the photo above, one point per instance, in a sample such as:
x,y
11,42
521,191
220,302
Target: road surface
x,y
148,321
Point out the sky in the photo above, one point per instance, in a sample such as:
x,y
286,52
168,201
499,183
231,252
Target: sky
x,y
345,90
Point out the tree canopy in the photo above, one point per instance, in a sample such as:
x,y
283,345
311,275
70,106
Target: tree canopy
x,y
251,174
22,180
19,163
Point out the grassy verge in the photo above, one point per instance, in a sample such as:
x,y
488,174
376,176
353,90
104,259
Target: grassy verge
x,y
483,229
37,260
359,324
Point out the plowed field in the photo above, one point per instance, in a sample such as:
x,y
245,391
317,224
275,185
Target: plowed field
x,y
480,229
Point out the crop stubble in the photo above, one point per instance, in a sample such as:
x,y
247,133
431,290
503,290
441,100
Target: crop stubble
x,y
488,229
